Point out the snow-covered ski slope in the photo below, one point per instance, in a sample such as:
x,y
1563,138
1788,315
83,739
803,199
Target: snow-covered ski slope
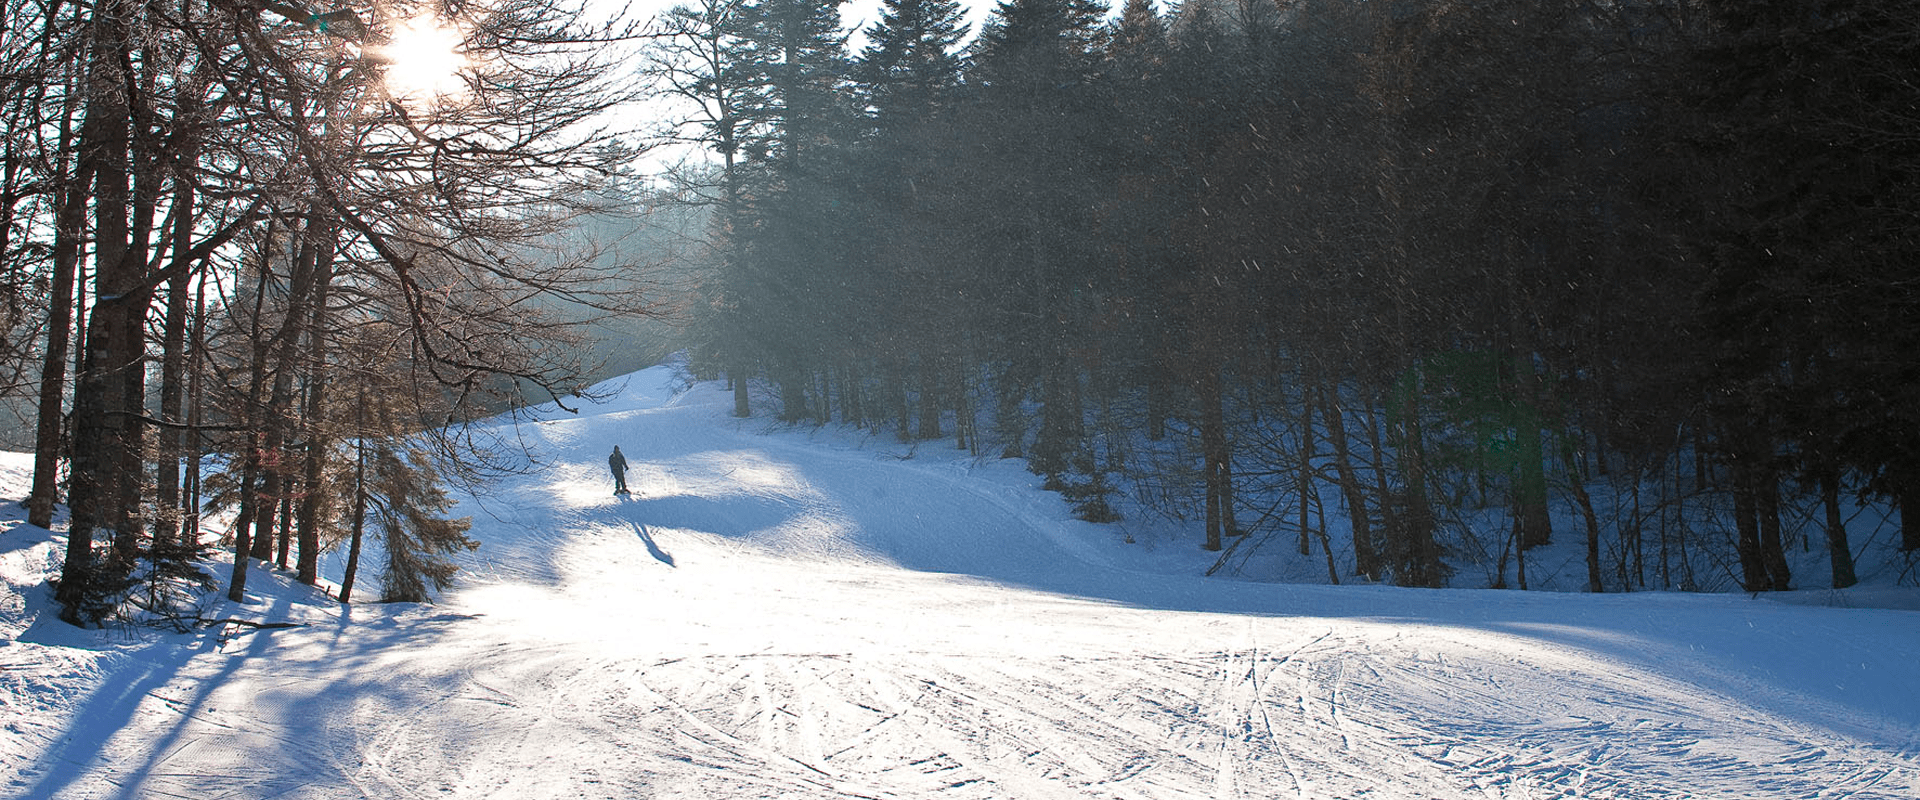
x,y
787,615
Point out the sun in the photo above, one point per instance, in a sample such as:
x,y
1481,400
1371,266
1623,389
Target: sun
x,y
424,60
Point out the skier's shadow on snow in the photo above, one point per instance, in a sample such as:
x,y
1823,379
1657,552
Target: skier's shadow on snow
x,y
653,548
731,517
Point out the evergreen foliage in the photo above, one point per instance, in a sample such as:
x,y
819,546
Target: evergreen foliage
x,y
1428,255
409,503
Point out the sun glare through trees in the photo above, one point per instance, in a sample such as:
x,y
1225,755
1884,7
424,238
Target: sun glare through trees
x,y
424,60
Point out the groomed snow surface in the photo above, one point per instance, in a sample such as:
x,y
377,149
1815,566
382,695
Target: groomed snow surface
x,y
796,614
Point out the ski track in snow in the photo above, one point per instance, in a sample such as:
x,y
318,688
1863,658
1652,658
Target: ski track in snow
x,y
769,617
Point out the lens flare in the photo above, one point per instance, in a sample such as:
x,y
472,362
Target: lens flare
x,y
424,60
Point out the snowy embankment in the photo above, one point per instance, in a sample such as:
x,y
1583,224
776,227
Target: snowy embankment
x,y
791,615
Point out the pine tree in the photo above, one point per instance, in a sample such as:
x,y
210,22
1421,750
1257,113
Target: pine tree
x,y
1033,127
911,62
906,181
784,69
409,505
702,60
1798,104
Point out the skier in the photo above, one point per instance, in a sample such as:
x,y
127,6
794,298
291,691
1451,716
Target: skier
x,y
618,463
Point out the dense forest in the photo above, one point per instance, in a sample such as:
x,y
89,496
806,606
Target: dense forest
x,y
1222,256
1223,260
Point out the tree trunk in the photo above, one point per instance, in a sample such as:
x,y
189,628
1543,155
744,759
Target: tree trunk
x,y
1326,541
1838,553
359,503
1422,565
1229,524
242,530
133,304
1687,581
243,521
1383,489
359,525
1061,433
853,388
273,485
1580,496
793,392
929,401
1772,550
823,414
1366,559
190,528
1636,529
1530,500
1530,497
102,455
319,447
283,534
1157,403
1008,421
1665,571
1305,466
897,402
1701,467
742,408
173,363
1214,455
252,416
965,421
1519,556
69,230
1907,494
278,411
1746,520
319,442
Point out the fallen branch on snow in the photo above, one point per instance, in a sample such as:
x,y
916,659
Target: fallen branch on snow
x,y
208,623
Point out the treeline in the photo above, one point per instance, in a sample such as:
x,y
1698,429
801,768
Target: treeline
x,y
261,264
1414,252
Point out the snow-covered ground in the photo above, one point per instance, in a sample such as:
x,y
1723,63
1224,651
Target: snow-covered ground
x,y
790,614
